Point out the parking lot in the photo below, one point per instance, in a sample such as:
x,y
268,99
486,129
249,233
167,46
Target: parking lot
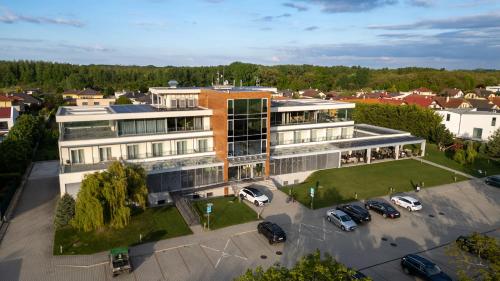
x,y
374,248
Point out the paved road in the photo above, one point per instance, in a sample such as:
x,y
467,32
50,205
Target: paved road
x,y
460,208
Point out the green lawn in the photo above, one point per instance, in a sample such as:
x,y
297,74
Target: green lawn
x,y
446,159
154,224
226,211
368,181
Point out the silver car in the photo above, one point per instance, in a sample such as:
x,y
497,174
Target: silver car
x,y
341,220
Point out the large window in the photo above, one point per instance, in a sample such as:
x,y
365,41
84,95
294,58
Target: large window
x,y
105,153
182,147
477,133
202,145
157,126
247,126
133,151
493,121
77,156
4,126
157,149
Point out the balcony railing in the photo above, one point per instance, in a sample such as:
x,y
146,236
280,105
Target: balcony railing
x,y
72,168
103,133
307,140
313,121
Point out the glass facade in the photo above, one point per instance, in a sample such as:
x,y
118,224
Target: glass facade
x,y
159,126
247,127
177,180
304,163
246,171
311,117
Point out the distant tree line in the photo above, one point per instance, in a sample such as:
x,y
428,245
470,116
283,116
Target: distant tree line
x,y
421,122
56,77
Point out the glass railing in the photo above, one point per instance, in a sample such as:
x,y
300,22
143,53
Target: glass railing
x,y
314,121
72,168
308,140
103,133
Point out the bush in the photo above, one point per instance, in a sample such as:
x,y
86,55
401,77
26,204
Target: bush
x,y
65,211
459,156
471,153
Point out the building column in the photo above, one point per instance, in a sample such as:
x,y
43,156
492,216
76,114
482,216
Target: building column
x,y
422,148
368,156
396,152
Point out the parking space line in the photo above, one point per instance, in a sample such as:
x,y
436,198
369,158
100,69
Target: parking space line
x,y
243,232
238,247
183,260
171,248
161,269
82,266
206,255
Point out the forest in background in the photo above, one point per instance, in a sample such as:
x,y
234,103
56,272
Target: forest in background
x,y
57,77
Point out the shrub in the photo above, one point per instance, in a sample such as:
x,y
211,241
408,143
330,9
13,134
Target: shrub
x,y
459,156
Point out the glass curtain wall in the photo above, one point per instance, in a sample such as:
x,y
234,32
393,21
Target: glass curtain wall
x,y
247,127
304,163
159,126
177,180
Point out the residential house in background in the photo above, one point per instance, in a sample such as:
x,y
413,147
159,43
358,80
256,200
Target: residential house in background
x,y
482,104
471,124
423,91
448,102
452,93
494,89
479,93
94,102
11,101
8,116
312,93
213,140
26,99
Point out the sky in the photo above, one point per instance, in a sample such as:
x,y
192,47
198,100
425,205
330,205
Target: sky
x,y
451,34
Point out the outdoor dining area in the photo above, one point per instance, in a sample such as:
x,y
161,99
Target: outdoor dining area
x,y
357,157
353,157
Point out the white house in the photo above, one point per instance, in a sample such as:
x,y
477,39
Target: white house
x,y
494,89
8,116
469,123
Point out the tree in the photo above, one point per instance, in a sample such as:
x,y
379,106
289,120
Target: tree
x,y
483,264
310,267
89,212
470,153
459,156
106,197
123,100
65,211
109,91
493,145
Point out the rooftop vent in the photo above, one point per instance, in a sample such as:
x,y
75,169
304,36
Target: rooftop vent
x,y
172,84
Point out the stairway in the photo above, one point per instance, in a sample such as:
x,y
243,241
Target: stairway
x,y
186,209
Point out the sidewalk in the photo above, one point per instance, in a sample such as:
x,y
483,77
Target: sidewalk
x,y
444,167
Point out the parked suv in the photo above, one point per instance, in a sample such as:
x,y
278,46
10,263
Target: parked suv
x,y
423,268
407,202
493,180
254,195
357,213
272,232
385,209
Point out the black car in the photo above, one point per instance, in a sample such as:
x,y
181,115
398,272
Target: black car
x,y
383,208
357,213
493,180
423,268
358,276
272,232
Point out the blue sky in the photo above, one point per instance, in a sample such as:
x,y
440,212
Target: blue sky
x,y
375,33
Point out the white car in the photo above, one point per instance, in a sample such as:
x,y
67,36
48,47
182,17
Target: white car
x,y
407,202
254,195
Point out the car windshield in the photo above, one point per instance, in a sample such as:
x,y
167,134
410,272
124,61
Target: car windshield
x,y
416,203
345,218
255,192
275,228
357,208
432,269
391,209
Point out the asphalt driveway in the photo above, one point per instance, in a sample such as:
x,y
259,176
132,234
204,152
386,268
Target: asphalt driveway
x,y
375,248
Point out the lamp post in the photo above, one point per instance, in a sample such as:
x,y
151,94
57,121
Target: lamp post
x,y
209,210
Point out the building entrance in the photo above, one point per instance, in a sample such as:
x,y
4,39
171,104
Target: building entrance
x,y
246,171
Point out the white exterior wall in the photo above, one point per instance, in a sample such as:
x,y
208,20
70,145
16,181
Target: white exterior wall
x,y
462,125
311,135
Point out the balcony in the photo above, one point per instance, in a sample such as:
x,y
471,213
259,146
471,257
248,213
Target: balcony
x,y
88,133
308,140
147,158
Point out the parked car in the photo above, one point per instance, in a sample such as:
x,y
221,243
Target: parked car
x,y
470,244
119,261
423,268
272,232
493,180
254,195
357,213
407,202
385,209
341,220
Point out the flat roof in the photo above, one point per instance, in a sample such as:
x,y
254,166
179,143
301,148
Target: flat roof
x,y
129,111
346,145
284,105
467,111
220,88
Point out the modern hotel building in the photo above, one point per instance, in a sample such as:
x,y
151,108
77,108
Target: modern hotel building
x,y
205,140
